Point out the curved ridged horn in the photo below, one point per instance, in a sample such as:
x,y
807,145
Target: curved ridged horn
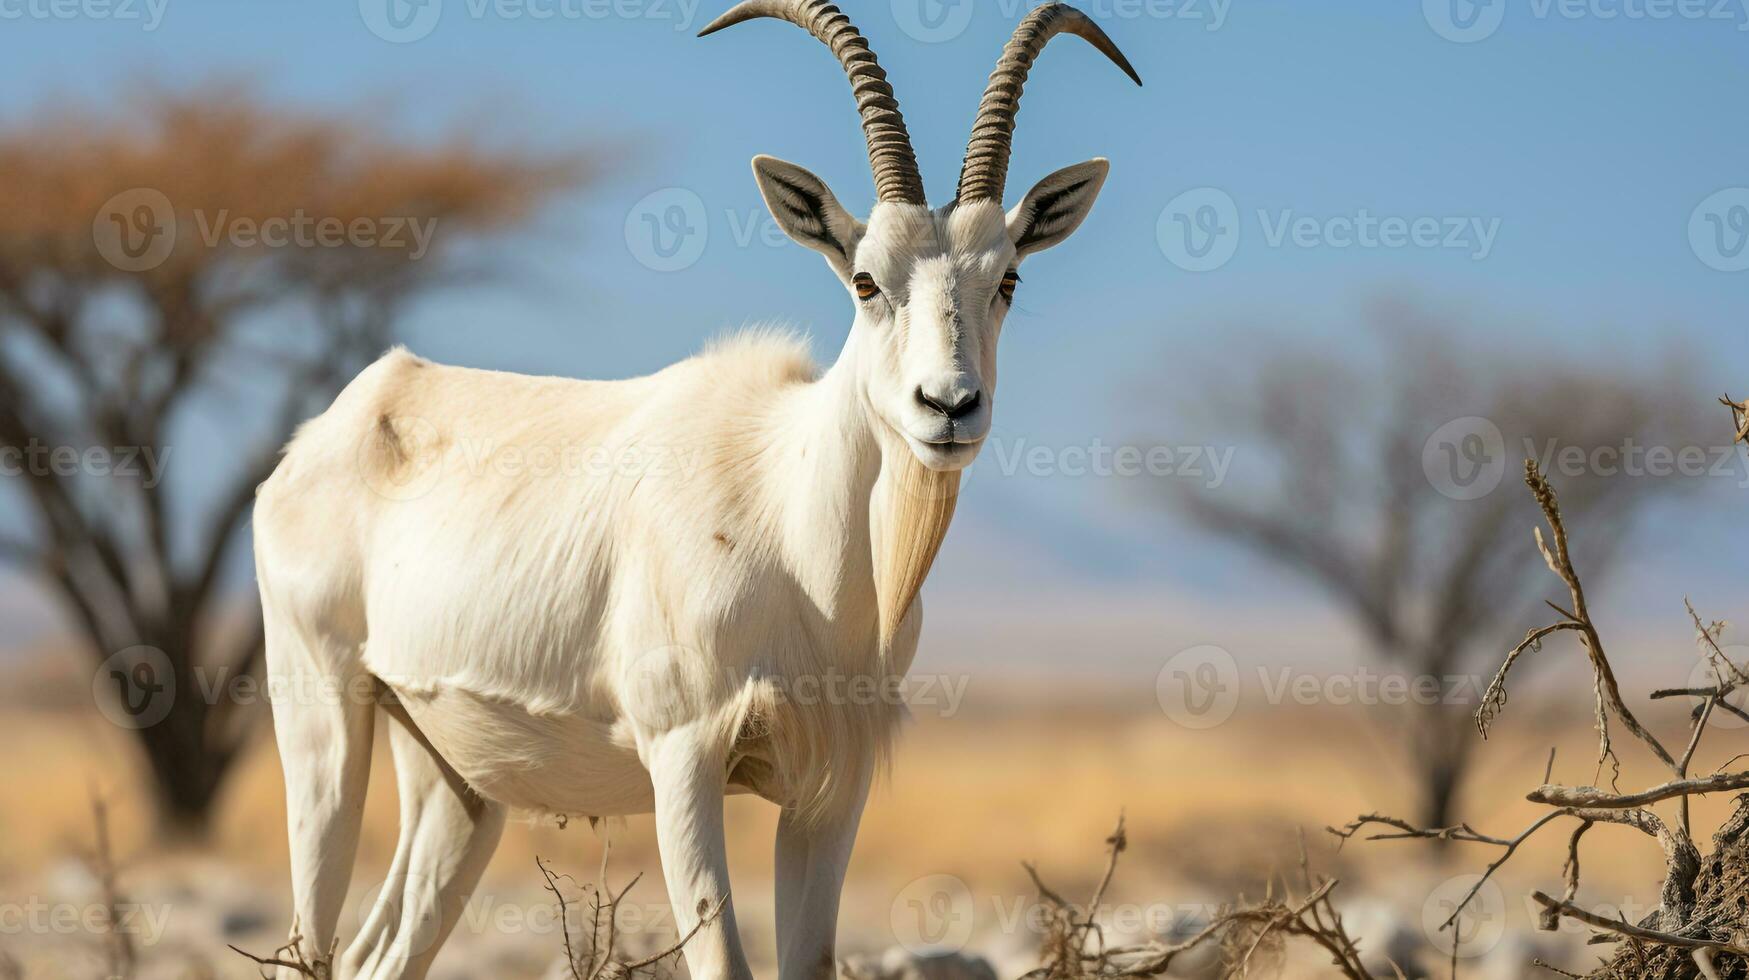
x,y
985,172
889,144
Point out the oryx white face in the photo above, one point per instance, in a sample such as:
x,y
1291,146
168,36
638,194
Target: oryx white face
x,y
931,290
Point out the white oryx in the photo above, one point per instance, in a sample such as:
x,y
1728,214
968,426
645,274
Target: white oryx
x,y
685,600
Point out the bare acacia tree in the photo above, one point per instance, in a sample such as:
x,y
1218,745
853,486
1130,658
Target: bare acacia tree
x,y
1373,473
191,278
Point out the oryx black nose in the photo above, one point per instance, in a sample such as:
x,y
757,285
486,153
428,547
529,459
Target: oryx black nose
x,y
955,406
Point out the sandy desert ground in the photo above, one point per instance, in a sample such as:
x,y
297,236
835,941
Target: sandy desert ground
x,y
1023,772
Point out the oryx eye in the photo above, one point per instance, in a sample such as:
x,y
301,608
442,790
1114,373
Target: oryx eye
x,y
865,286
1009,281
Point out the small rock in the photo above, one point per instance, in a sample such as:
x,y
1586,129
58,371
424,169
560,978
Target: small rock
x,y
243,922
901,964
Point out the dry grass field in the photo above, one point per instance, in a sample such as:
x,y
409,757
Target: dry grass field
x,y
1029,772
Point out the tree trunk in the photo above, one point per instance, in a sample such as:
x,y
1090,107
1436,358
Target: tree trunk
x,y
1439,788
187,763
186,796
1442,738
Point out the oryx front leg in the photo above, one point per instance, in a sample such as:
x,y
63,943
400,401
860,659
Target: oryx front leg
x,y
689,777
811,860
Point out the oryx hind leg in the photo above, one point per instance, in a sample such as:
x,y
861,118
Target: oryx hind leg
x,y
448,834
322,721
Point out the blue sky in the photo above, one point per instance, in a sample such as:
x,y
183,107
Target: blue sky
x,y
1562,155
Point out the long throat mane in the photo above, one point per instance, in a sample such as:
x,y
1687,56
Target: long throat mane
x,y
909,506
909,512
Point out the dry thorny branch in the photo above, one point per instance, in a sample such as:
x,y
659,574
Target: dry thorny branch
x,y
594,956
120,957
599,957
1074,945
1739,416
1688,924
293,957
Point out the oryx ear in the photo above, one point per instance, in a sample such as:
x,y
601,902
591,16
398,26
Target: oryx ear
x,y
807,212
1054,209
